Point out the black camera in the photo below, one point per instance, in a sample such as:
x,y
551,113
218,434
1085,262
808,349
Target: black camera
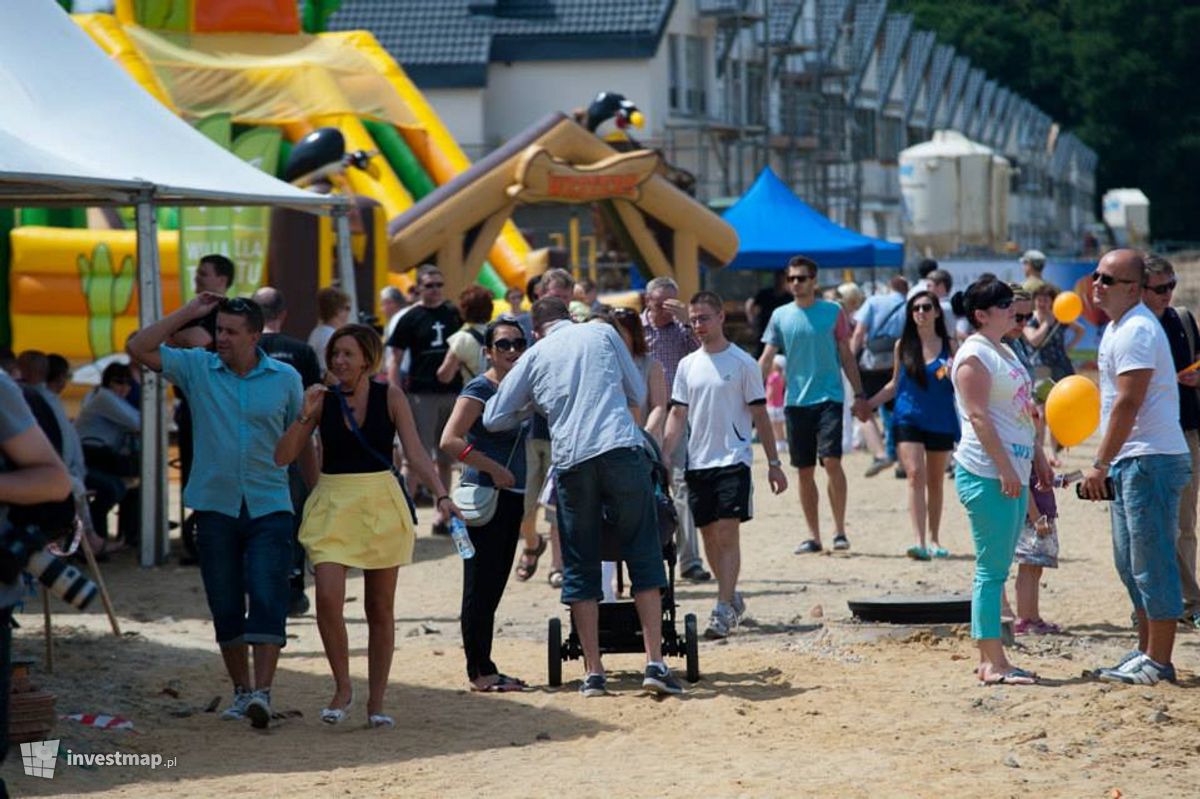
x,y
22,549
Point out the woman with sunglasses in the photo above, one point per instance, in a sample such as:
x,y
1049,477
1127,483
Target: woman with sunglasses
x,y
489,459
926,426
357,515
993,396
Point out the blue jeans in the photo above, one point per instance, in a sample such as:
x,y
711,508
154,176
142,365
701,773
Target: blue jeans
x,y
996,522
1145,521
244,557
616,485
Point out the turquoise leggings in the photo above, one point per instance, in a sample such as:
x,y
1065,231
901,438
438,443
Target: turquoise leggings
x,y
996,522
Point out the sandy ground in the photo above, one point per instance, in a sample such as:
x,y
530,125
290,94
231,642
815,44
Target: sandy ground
x,y
804,702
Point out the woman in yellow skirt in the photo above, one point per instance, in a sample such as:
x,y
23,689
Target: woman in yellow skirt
x,y
358,515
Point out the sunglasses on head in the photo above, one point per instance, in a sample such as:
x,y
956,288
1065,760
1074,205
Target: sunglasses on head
x,y
509,344
1165,288
923,307
236,304
798,278
1109,280
1002,305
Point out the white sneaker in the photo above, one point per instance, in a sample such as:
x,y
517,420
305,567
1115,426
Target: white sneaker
x,y
739,606
1139,670
721,622
237,710
258,709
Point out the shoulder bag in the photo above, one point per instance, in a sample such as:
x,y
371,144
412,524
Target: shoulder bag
x,y
478,503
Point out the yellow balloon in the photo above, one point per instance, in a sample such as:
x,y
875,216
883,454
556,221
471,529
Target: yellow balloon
x,y
1073,409
1067,307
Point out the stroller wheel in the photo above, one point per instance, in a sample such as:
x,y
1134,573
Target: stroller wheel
x,y
554,658
691,643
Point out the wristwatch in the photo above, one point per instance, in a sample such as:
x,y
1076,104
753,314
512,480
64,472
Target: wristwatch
x,y
1103,466
775,462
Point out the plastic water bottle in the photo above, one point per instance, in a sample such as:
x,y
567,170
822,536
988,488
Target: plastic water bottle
x,y
462,541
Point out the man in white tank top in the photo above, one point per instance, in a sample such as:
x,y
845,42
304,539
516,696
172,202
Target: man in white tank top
x,y
1146,455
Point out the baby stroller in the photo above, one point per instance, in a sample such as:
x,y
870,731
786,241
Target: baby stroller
x,y
619,627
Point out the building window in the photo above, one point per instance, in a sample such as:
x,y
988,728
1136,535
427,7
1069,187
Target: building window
x,y
891,138
696,76
863,141
676,79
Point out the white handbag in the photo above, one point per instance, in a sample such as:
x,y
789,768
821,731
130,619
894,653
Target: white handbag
x,y
478,503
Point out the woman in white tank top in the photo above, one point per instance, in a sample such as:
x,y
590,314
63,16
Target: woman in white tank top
x,y
994,399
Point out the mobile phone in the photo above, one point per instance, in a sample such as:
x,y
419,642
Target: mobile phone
x,y
1108,489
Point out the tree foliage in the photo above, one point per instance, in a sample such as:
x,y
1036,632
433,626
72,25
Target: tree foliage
x,y
1115,72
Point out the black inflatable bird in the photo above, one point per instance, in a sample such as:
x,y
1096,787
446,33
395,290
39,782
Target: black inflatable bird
x,y
610,107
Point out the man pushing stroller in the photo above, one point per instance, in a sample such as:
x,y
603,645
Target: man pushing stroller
x,y
584,383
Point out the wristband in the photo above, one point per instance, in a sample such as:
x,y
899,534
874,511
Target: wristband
x,y
304,419
861,395
438,501
462,456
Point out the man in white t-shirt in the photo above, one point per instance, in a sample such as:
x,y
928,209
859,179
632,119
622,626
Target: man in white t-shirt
x,y
1146,455
717,395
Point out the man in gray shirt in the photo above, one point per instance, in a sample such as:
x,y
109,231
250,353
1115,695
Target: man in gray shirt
x,y
582,378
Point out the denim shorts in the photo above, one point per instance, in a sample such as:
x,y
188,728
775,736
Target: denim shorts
x,y
1145,519
246,558
610,494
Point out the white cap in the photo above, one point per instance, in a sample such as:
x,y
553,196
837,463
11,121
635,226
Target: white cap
x,y
1034,257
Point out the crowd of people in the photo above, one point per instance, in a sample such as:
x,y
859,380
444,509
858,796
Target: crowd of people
x,y
324,450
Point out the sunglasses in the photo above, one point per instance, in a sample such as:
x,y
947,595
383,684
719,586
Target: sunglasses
x,y
509,344
1165,288
923,307
1109,280
798,278
1022,317
429,286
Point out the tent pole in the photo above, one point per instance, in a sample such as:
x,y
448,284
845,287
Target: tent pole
x,y
154,431
345,257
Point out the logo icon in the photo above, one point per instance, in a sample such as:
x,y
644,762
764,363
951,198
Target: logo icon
x,y
39,758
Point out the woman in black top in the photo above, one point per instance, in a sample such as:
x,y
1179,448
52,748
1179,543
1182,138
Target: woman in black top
x,y
357,515
495,459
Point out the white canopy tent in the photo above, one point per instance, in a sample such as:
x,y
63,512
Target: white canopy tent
x,y
75,129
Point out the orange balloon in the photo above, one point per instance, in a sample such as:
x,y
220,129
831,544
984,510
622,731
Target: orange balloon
x,y
1067,307
1073,409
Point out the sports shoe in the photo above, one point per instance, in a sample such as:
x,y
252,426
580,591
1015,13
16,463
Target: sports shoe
x,y
841,542
900,473
258,709
660,680
877,466
237,710
721,622
1191,620
809,546
696,574
594,685
739,606
1139,670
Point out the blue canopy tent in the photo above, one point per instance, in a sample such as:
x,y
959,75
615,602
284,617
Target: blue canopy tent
x,y
773,224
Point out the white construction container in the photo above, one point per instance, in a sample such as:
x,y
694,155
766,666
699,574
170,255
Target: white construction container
x,y
1127,213
955,195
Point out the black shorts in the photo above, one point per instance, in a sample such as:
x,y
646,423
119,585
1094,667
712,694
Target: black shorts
x,y
934,442
722,492
814,430
873,381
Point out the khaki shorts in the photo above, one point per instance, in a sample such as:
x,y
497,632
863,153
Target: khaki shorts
x,y
430,413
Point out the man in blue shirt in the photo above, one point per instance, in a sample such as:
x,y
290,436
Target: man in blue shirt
x,y
582,378
815,335
241,402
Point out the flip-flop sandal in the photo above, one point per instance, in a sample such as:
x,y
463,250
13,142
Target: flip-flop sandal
x,y
527,565
1013,677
